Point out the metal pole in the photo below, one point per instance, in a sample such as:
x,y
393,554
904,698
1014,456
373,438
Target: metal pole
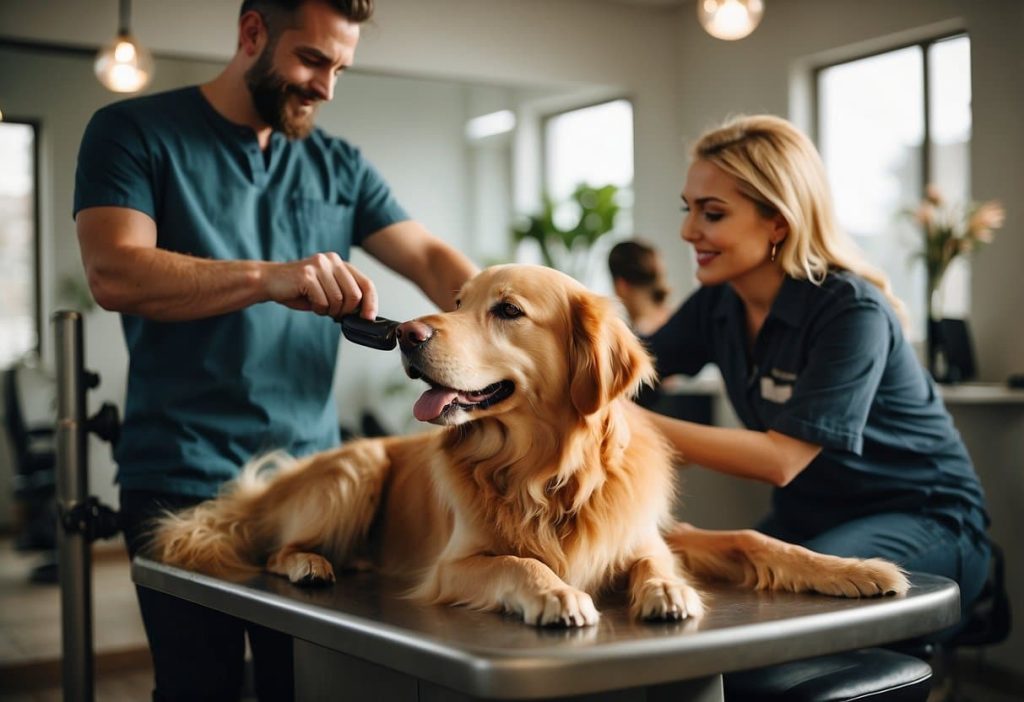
x,y
73,547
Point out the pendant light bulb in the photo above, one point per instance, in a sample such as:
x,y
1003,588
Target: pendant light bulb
x,y
124,65
729,19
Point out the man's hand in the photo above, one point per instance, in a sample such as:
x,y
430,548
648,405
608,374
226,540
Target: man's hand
x,y
322,283
128,273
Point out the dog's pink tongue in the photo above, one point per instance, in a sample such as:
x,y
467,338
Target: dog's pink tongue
x,y
432,403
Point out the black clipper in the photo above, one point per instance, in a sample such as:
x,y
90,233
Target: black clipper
x,y
376,333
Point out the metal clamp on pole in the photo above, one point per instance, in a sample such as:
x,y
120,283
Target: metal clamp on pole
x,y
82,518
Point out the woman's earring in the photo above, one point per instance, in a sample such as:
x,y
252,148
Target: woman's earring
x,y
775,248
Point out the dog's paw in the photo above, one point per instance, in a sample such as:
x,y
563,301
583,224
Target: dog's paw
x,y
870,577
561,607
309,569
667,600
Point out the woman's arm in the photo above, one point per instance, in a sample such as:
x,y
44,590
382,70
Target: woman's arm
x,y
768,456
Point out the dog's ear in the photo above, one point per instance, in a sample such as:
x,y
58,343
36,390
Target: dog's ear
x,y
605,358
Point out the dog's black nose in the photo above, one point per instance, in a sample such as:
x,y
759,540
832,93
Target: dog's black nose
x,y
413,334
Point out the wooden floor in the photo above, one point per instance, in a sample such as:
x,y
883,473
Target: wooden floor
x,y
30,629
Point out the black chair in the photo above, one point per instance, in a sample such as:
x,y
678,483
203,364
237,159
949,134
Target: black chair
x,y
988,622
990,619
901,673
868,675
33,450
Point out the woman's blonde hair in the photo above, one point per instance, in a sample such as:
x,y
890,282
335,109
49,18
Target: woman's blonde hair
x,y
779,169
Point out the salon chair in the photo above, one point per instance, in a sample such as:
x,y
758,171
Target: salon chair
x,y
34,454
900,673
868,675
988,622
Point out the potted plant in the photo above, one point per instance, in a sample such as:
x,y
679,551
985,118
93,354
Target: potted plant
x,y
566,245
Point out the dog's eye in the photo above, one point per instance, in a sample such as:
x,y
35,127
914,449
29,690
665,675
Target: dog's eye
x,y
506,310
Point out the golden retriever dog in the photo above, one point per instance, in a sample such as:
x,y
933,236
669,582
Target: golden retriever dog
x,y
544,486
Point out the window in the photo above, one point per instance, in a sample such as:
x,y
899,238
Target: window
x,y
19,317
591,146
888,125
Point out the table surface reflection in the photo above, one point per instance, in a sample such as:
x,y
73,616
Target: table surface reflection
x,y
493,655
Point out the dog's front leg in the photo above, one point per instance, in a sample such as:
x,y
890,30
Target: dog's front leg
x,y
765,563
657,588
521,585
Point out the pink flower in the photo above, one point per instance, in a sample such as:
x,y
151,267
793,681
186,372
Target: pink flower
x,y
988,216
951,229
925,215
933,195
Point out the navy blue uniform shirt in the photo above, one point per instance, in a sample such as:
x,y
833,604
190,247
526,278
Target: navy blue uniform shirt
x,y
831,366
204,396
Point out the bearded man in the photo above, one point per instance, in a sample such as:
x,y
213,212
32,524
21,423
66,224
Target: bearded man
x,y
193,207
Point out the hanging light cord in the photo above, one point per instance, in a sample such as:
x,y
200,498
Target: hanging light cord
x,y
124,14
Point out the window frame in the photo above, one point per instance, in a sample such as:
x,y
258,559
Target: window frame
x,y
545,189
923,45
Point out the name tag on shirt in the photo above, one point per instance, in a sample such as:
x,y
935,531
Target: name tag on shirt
x,y
775,392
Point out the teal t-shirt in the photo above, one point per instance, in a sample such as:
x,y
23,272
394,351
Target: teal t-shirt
x,y
205,396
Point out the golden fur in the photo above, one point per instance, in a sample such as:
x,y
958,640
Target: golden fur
x,y
532,504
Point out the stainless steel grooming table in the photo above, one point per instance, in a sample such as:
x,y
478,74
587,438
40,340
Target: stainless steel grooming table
x,y
359,640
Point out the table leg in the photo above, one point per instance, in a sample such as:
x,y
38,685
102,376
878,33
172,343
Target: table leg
x,y
323,674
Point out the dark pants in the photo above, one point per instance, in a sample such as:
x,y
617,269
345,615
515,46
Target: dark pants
x,y
916,542
198,653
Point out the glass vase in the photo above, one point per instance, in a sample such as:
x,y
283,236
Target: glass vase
x,y
938,364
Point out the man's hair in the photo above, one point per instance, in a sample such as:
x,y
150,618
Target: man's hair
x,y
355,10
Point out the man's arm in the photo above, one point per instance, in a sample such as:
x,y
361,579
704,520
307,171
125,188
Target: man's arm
x,y
128,273
411,251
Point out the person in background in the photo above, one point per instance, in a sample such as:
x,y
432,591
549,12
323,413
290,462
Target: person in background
x,y
638,277
838,413
218,220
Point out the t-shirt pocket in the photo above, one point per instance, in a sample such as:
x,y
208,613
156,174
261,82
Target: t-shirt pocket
x,y
321,226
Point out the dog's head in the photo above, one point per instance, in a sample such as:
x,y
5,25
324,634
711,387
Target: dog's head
x,y
524,339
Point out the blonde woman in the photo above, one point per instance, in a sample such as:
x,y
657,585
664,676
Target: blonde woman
x,y
840,416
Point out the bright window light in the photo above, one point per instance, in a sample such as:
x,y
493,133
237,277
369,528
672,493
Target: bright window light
x,y
490,124
871,128
17,241
592,145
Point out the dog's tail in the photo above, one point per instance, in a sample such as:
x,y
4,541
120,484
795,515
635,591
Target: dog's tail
x,y
222,536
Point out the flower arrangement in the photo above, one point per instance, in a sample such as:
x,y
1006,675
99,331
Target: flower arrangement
x,y
951,230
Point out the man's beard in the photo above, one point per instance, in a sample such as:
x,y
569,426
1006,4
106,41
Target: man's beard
x,y
271,94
